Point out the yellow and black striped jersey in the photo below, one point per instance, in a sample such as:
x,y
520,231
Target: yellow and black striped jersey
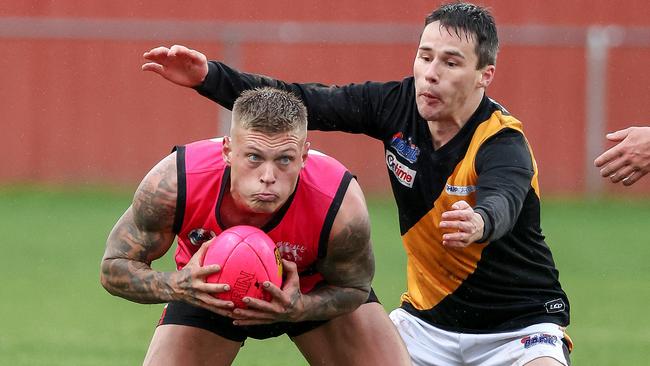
x,y
507,281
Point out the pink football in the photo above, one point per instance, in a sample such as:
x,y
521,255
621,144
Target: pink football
x,y
247,257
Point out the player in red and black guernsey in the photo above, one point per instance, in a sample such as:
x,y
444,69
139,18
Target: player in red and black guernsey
x,y
482,284
263,175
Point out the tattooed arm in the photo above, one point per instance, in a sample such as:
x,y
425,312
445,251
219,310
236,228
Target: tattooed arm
x,y
144,234
347,268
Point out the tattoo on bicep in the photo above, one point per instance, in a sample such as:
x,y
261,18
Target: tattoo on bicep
x,y
154,203
350,261
347,268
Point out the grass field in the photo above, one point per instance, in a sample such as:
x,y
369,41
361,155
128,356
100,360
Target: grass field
x,y
53,310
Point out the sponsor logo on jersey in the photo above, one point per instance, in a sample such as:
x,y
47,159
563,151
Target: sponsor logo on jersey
x,y
540,338
200,236
291,252
404,174
459,190
554,306
405,148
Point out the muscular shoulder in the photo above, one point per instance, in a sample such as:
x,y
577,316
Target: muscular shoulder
x,y
154,202
353,213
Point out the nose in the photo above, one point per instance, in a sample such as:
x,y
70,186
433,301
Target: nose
x,y
268,174
431,73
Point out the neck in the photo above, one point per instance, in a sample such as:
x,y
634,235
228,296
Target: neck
x,y
443,130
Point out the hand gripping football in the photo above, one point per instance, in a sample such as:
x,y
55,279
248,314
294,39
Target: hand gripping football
x,y
247,257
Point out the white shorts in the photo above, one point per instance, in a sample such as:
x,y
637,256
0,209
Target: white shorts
x,y
429,345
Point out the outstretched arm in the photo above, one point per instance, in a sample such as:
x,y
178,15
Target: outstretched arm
x,y
348,269
144,234
629,159
352,108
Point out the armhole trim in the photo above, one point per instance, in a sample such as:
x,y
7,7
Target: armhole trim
x,y
181,196
331,214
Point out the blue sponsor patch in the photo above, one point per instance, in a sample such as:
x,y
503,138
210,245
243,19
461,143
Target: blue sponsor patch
x,y
405,148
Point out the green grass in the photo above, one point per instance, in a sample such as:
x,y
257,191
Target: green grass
x,y
53,310
602,249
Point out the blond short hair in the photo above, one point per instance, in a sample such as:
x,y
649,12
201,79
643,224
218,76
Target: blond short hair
x,y
270,110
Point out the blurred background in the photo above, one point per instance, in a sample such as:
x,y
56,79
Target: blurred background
x,y
82,124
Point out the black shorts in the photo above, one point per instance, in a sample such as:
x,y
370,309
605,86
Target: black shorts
x,y
181,313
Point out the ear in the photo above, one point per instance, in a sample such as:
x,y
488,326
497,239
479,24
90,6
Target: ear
x,y
226,151
487,74
305,153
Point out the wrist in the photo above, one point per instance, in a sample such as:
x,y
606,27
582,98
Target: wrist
x,y
485,225
170,289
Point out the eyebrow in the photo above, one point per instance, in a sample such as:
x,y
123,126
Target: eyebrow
x,y
454,53
446,52
283,151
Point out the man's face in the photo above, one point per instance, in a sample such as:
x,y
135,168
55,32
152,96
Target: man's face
x,y
445,73
264,168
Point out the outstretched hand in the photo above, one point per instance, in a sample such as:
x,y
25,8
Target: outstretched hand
x,y
190,286
629,160
463,225
286,303
178,64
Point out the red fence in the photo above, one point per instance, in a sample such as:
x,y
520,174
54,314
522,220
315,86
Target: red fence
x,y
77,108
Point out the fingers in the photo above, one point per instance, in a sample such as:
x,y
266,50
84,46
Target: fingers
x,y
161,54
281,307
632,178
212,288
178,50
463,225
208,270
621,173
455,240
464,214
156,54
151,66
614,152
618,135
613,167
460,205
457,219
197,258
291,274
257,310
460,237
608,156
263,312
213,304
